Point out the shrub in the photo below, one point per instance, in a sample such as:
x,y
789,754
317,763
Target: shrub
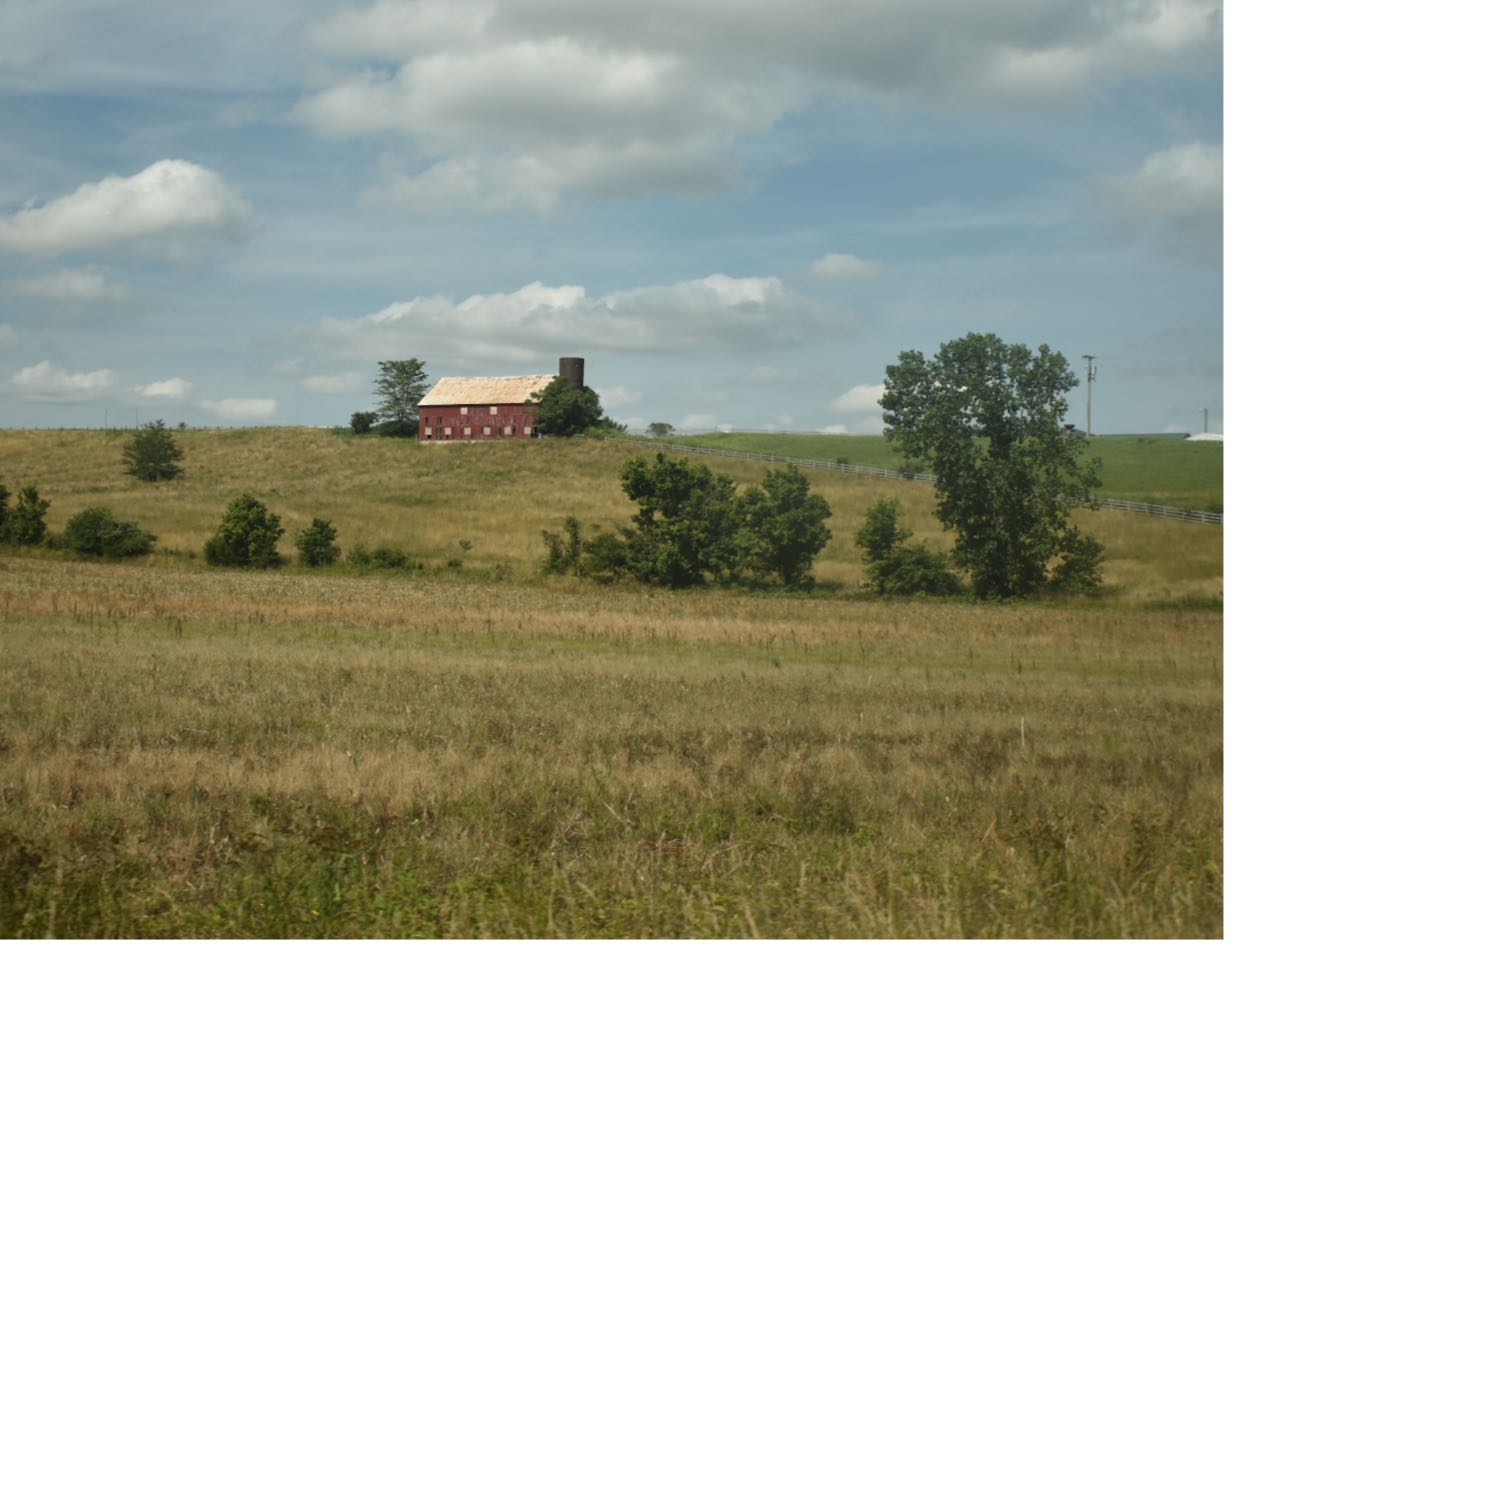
x,y
153,454
246,537
25,522
397,427
564,549
1076,568
686,522
361,556
781,527
316,546
361,422
96,533
896,565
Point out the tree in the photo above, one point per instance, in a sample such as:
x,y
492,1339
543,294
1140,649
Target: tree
x,y
660,430
781,526
400,385
246,537
686,523
24,524
361,422
153,454
96,533
566,410
896,565
987,418
316,545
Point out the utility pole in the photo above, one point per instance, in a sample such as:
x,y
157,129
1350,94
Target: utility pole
x,y
1205,419
1089,361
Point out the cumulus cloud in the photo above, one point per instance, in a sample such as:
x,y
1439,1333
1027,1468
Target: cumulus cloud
x,y
71,285
241,408
845,268
172,389
538,322
1175,195
625,100
618,395
162,211
859,400
49,382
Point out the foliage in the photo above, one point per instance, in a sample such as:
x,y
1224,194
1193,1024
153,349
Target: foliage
x,y
246,537
988,419
397,428
564,549
24,523
782,528
566,410
4,507
605,426
96,533
153,454
660,430
317,546
686,523
896,565
362,421
393,558
400,385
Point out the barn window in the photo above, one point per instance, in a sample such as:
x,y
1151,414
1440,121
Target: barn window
x,y
494,411
468,432
510,432
463,411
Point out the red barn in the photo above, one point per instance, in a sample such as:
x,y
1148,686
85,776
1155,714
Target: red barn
x,y
476,408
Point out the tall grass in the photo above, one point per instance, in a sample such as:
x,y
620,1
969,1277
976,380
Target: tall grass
x,y
194,752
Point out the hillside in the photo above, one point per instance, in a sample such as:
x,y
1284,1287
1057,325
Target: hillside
x,y
1154,467
499,497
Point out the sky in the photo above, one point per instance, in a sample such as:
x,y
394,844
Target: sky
x,y
738,214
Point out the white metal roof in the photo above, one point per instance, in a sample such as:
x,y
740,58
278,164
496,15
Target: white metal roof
x,y
485,390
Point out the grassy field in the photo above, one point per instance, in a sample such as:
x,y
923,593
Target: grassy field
x,y
187,752
1167,470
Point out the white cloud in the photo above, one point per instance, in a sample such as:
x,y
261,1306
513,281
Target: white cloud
x,y
696,421
49,382
837,430
9,338
172,389
1176,194
836,267
538,323
241,408
619,395
71,285
161,211
858,400
340,383
623,100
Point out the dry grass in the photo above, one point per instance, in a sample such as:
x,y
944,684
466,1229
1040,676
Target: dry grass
x,y
186,752
499,496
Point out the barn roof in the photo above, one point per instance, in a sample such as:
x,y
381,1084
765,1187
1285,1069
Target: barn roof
x,y
485,390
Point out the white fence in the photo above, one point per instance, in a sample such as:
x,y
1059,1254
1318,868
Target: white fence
x,y
1142,507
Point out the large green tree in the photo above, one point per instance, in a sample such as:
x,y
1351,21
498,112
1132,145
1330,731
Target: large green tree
x,y
989,420
566,410
400,385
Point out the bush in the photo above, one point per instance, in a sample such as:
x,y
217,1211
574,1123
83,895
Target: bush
x,y
153,454
316,545
96,533
24,524
896,565
361,422
246,537
566,410
397,427
381,557
781,527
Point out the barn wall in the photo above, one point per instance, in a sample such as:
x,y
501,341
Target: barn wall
x,y
434,420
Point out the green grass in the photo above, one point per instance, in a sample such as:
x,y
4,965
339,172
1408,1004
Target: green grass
x,y
195,752
1167,470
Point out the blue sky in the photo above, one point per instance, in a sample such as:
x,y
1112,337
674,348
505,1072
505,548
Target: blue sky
x,y
738,214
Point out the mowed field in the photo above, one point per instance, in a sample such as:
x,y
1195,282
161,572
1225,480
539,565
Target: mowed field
x,y
473,752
